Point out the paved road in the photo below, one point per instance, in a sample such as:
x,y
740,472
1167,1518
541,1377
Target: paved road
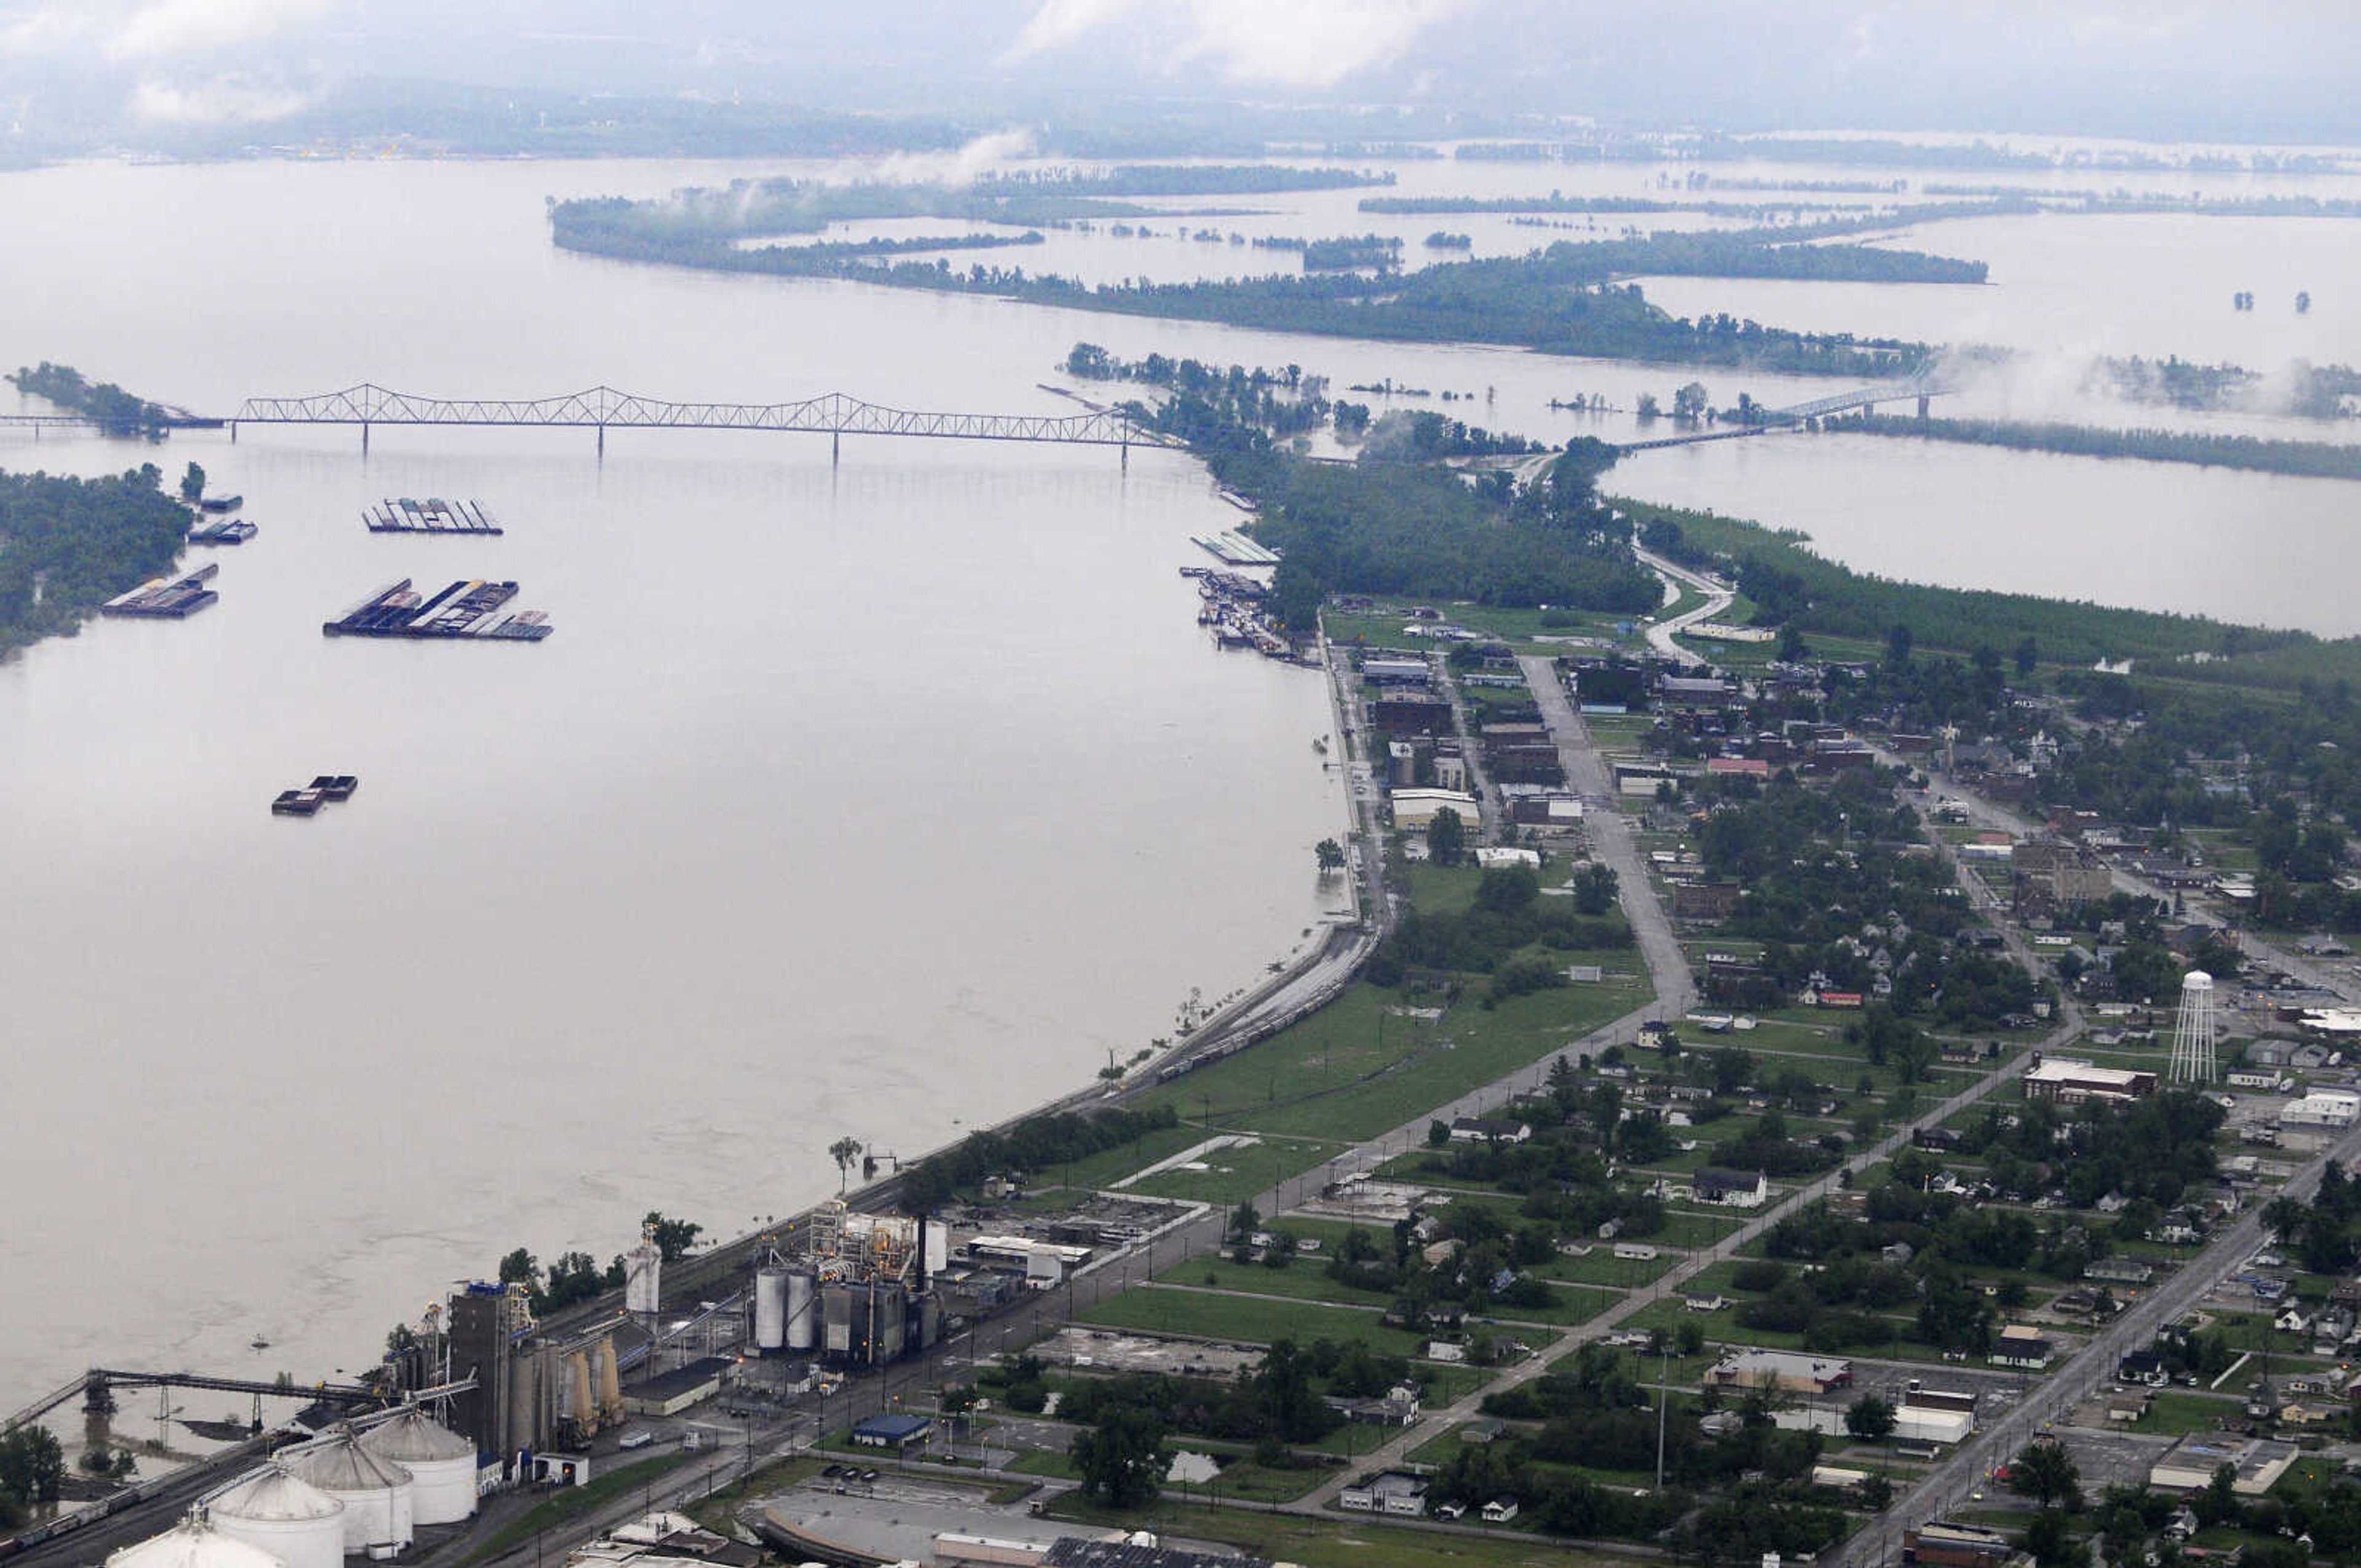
x,y
1610,838
1660,635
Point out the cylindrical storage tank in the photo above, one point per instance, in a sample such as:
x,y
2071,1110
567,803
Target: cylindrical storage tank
x,y
441,1462
376,1492
294,1521
192,1543
770,1311
644,1279
803,1316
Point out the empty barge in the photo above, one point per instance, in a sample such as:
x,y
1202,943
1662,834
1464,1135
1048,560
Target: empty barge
x,y
433,515
166,599
222,532
470,609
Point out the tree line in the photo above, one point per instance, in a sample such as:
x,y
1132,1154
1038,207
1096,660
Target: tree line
x,y
69,545
118,412
2309,459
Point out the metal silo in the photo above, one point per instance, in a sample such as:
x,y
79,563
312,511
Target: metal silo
x,y
770,1312
193,1543
376,1492
644,1278
441,1462
294,1520
803,1311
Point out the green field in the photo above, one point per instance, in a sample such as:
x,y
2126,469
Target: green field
x,y
1246,1319
1339,1541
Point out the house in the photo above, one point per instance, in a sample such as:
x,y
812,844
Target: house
x,y
2023,1348
2180,1228
1783,1371
2144,1367
1394,1492
1490,1130
2120,1269
2127,1410
1398,1408
1500,1510
1733,1188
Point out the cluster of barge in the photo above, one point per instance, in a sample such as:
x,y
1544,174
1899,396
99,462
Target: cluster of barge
x,y
166,599
224,533
1231,606
469,609
433,515
1235,549
326,789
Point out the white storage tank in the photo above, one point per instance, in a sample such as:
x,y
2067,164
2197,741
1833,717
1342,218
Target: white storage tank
x,y
441,1462
803,1311
770,1312
192,1543
376,1492
292,1520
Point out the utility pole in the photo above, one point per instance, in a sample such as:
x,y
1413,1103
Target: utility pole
x,y
1664,1399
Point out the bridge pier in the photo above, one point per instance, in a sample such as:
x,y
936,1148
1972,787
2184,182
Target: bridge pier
x,y
835,446
1924,402
602,441
364,438
232,432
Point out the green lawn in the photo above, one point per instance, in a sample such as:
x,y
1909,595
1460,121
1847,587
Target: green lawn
x,y
577,1500
1340,1542
1159,1309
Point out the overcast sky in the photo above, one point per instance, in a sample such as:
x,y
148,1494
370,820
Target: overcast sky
x,y
2260,69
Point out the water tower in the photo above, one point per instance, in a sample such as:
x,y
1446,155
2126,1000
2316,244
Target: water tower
x,y
2193,1033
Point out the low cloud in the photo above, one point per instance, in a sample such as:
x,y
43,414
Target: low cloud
x,y
220,101
1272,43
165,27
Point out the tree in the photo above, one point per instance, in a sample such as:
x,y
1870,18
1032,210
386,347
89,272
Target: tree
x,y
1871,1416
1649,409
1792,649
1122,1458
32,1464
844,1151
2028,654
1438,1132
193,485
2047,1473
1331,856
1689,401
1595,888
1689,1338
1446,837
1244,1221
675,1237
2053,1544
1897,645
520,1267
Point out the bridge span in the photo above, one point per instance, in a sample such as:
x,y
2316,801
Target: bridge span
x,y
601,408
1768,420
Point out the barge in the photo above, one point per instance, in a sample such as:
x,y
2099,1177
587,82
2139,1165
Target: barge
x,y
433,515
469,609
166,599
220,503
1235,549
296,803
224,532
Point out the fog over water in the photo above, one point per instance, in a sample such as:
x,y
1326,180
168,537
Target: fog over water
x,y
880,798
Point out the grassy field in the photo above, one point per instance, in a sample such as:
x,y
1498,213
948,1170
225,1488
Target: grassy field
x,y
1246,1319
576,1501
1343,1542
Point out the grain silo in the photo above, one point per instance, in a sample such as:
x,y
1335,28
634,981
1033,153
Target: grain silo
x,y
376,1492
441,1462
770,1312
192,1543
292,1520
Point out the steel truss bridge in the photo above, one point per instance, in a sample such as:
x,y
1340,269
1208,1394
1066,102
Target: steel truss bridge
x,y
601,408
